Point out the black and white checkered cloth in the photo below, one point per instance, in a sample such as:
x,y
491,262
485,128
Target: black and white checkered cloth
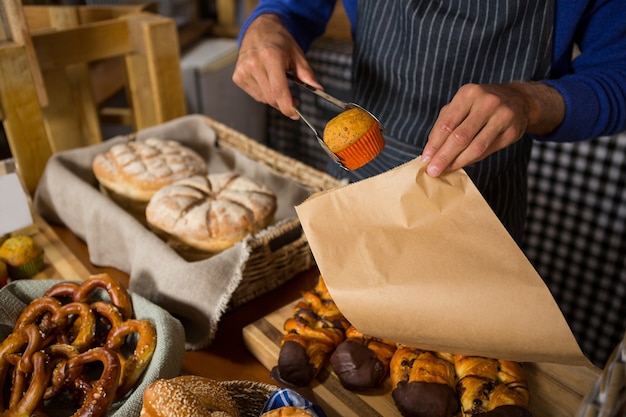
x,y
576,231
576,236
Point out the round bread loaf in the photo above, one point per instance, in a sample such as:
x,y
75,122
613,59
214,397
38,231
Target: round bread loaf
x,y
188,395
211,212
137,169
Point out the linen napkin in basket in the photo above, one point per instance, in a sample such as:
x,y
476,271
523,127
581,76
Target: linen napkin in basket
x,y
167,358
197,293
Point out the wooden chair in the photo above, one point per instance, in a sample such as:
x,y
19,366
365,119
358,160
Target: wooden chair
x,y
50,57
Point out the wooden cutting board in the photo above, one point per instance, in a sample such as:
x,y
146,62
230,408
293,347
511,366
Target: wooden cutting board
x,y
556,390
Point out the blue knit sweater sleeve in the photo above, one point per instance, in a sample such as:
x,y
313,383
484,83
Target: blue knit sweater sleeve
x,y
594,83
306,20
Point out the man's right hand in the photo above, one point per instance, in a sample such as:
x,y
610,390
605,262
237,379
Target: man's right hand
x,y
267,51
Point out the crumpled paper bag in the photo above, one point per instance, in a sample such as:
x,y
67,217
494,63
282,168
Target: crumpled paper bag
x,y
424,261
197,293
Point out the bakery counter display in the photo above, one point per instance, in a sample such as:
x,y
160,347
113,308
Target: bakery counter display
x,y
310,346
82,348
199,216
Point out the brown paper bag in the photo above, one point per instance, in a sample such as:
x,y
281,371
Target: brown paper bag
x,y
424,261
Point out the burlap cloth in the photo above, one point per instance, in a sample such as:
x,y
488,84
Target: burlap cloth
x,y
197,293
167,358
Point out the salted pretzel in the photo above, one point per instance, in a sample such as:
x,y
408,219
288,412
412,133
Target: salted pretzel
x,y
98,396
491,387
423,382
362,361
22,342
62,290
29,388
136,363
39,312
17,351
58,355
312,334
53,320
80,332
117,293
108,317
56,339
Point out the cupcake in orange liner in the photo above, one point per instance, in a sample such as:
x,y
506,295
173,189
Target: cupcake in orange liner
x,y
355,137
23,257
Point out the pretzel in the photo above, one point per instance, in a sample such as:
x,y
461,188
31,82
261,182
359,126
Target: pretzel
x,y
62,290
18,349
39,312
77,386
101,394
136,363
107,317
85,328
117,293
58,355
58,336
25,401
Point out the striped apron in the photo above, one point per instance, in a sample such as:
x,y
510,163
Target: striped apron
x,y
410,58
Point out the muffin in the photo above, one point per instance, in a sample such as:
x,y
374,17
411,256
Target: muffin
x,y
355,137
23,257
130,173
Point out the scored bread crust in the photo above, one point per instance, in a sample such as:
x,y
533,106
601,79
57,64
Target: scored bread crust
x,y
211,212
137,169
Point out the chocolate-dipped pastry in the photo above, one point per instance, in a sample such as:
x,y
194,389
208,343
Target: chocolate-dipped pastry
x,y
312,334
491,387
425,399
423,383
361,362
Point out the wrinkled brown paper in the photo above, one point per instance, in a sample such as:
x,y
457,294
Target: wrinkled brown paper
x,y
424,261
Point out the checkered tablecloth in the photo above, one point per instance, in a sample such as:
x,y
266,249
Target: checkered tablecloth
x,y
576,231
576,236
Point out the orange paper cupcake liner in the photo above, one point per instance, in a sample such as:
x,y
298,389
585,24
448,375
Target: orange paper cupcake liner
x,y
363,150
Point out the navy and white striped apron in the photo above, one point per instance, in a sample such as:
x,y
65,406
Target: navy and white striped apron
x,y
410,58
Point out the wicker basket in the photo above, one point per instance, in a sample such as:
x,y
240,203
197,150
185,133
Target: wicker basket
x,y
278,256
250,396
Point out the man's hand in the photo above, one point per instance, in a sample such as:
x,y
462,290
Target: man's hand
x,y
483,119
267,51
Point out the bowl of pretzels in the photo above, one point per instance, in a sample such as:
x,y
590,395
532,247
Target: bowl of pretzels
x,y
82,348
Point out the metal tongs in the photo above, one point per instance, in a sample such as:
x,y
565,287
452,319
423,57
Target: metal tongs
x,y
341,104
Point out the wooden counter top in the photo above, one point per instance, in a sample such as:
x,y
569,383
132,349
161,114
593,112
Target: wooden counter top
x,y
242,350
